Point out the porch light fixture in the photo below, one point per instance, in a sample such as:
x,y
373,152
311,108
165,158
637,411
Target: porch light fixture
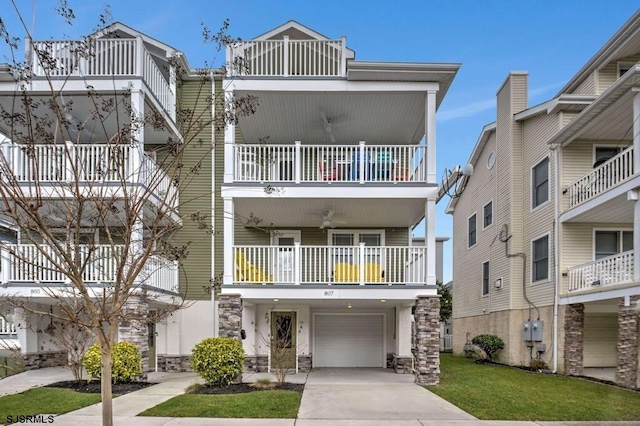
x,y
382,300
276,300
349,306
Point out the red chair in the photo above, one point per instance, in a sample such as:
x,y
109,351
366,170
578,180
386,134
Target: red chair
x,y
327,173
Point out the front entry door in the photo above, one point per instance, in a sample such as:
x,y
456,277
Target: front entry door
x,y
285,260
283,340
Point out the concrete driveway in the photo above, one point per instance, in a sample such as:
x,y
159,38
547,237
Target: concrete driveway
x,y
371,394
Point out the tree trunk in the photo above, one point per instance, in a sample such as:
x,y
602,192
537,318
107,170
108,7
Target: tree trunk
x,y
105,389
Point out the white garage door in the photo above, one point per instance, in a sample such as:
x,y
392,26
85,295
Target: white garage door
x,y
348,341
600,339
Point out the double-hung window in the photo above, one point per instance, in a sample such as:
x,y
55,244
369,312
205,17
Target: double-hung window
x,y
540,259
540,183
472,231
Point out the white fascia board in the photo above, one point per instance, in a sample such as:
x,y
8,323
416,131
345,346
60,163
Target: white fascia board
x,y
602,294
554,105
330,191
80,84
326,85
329,292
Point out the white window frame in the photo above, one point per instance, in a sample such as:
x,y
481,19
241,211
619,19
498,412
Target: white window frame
x,y
356,235
489,225
482,293
476,231
533,240
531,184
63,231
620,65
618,230
604,145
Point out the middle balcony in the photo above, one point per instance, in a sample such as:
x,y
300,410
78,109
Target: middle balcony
x,y
359,164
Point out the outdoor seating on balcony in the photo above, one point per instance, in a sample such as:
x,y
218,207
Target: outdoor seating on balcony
x,y
602,178
605,272
26,263
329,265
329,163
102,58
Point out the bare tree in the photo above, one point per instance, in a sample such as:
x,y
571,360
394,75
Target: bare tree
x,y
282,343
98,217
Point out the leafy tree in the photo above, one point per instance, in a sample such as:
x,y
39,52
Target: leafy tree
x,y
445,301
489,343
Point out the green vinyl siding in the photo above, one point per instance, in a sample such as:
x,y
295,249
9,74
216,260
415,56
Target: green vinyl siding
x,y
195,196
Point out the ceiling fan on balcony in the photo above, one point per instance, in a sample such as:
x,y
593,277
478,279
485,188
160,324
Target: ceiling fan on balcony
x,y
328,127
328,221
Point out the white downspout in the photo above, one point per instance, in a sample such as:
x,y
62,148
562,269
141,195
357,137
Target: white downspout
x,y
556,255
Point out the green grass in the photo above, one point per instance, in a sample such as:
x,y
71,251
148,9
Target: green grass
x,y
45,401
271,404
500,393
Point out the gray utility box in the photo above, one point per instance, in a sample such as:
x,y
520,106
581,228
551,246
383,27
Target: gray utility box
x,y
532,331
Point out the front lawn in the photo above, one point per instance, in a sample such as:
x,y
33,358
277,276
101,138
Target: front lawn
x,y
270,404
492,392
45,401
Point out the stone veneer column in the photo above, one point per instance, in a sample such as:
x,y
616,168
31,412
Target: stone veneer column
x,y
427,320
230,316
136,331
628,339
573,339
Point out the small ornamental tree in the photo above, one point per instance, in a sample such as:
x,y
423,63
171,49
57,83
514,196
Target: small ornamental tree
x,y
489,343
445,301
218,360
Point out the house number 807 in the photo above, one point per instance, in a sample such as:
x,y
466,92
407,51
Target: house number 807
x,y
328,293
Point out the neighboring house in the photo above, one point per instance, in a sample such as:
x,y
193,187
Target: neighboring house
x,y
548,226
313,199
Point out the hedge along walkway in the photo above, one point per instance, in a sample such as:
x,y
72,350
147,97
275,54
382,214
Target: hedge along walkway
x,y
131,404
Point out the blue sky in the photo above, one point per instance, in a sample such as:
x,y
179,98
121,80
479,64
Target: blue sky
x,y
550,39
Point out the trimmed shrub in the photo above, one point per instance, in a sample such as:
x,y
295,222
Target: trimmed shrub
x,y
127,362
538,365
489,343
218,360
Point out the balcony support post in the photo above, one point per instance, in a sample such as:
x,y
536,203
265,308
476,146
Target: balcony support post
x,y
136,161
361,264
285,71
172,88
361,162
139,57
430,135
228,221
5,261
229,145
343,56
430,242
636,202
297,263
298,162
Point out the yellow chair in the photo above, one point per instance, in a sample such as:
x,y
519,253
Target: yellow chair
x,y
345,273
373,273
246,271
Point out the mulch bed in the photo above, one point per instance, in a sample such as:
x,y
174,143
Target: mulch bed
x,y
93,386
243,388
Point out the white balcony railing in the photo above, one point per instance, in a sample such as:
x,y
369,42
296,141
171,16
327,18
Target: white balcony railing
x,y
7,327
31,265
103,58
285,58
90,163
603,272
329,163
602,178
329,265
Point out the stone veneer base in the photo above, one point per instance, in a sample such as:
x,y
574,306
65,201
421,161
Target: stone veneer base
x,y
45,359
174,363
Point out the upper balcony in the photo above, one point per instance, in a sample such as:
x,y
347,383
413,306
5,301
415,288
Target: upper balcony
x,y
329,164
106,58
602,178
288,58
91,165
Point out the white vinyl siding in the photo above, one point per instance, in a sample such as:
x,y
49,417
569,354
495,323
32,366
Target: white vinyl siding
x,y
610,72
343,340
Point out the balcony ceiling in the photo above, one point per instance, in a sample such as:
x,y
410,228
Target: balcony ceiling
x,y
615,123
347,213
83,109
617,210
376,118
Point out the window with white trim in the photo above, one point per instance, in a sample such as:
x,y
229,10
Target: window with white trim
x,y
540,183
485,278
471,231
611,242
540,259
487,214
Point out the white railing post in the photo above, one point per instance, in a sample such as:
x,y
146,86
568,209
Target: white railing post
x,y
343,56
285,70
172,91
139,65
298,162
297,263
5,263
361,162
361,264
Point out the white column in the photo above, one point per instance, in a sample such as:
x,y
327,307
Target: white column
x,y
136,171
403,331
636,203
173,89
430,241
298,162
27,337
228,220
297,263
430,135
361,163
229,142
286,56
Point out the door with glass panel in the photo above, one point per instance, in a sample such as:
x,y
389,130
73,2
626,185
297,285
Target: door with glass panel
x,y
347,258
285,263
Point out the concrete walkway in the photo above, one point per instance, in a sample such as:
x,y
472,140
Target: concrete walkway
x,y
32,379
